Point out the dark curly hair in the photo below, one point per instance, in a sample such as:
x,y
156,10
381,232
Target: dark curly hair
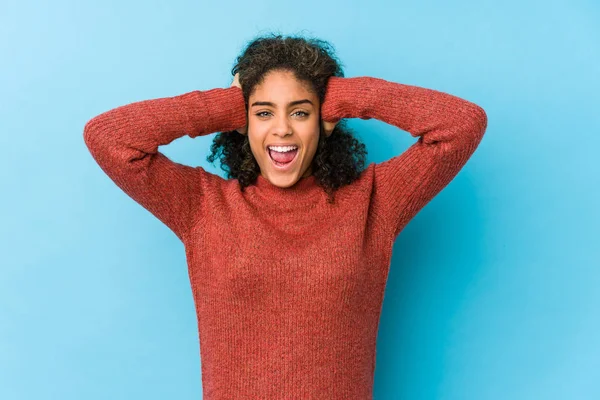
x,y
339,159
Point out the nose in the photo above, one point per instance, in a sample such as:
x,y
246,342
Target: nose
x,y
282,126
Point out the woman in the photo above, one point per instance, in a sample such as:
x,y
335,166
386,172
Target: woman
x,y
288,257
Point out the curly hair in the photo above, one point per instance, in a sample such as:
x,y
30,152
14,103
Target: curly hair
x,y
339,159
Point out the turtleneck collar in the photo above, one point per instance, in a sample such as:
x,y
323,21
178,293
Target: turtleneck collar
x,y
305,189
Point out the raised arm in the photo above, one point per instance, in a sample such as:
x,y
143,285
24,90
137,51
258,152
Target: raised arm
x,y
124,142
448,128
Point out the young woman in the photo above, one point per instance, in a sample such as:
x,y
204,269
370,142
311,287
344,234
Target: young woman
x,y
288,257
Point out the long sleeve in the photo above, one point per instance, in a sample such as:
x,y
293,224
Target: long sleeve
x,y
124,142
448,128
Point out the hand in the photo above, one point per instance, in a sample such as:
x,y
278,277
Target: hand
x,y
329,113
328,127
236,82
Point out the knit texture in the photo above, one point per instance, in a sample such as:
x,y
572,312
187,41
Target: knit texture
x,y
288,289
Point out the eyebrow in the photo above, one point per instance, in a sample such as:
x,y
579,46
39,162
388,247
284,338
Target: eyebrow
x,y
291,103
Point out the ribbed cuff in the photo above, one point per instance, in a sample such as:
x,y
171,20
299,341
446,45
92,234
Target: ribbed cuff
x,y
225,109
349,98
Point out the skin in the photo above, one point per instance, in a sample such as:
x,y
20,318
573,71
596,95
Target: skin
x,y
283,122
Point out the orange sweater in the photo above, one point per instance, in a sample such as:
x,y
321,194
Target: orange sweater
x,y
288,288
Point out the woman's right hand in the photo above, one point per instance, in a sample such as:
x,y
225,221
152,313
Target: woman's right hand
x,y
236,82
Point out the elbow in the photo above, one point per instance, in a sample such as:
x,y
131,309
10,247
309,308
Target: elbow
x,y
87,132
477,128
479,118
89,135
472,130
94,136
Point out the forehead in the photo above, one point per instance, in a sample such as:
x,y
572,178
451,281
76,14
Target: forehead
x,y
281,86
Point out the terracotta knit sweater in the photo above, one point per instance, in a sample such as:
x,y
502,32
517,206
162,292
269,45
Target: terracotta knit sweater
x,y
288,288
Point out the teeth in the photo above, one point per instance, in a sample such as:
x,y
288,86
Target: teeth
x,y
283,149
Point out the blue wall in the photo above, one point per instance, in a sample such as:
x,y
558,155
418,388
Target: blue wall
x,y
493,289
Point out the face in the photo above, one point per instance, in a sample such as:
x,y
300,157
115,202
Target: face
x,y
282,111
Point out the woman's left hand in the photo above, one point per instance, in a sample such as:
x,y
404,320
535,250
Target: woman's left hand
x,y
328,127
236,82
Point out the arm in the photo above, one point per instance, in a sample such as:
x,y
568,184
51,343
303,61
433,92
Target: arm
x,y
448,128
124,142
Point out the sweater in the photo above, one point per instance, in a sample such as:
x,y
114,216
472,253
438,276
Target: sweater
x,y
288,288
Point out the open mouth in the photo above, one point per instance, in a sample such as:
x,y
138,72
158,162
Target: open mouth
x,y
283,160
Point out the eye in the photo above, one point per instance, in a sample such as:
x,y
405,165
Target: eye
x,y
302,114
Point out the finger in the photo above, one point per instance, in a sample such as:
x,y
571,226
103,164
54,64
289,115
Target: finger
x,y
328,127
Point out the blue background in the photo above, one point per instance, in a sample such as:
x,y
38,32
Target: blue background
x,y
493,289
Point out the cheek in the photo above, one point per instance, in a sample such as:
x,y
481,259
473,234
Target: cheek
x,y
256,146
311,146
257,129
